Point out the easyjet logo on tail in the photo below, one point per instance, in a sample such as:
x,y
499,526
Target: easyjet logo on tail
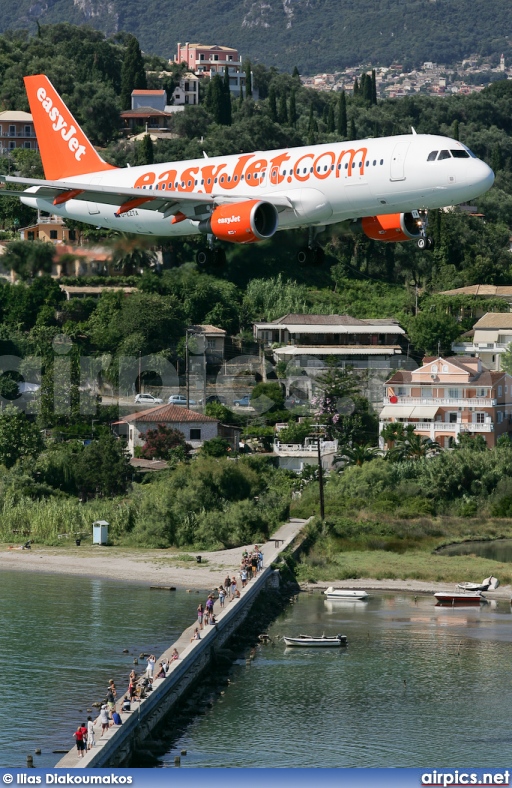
x,y
64,148
60,124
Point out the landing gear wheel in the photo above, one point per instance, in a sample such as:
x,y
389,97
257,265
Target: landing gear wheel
x,y
422,243
317,255
302,256
430,244
219,258
203,257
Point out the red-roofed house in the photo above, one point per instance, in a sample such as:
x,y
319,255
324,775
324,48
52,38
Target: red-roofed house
x,y
447,396
195,427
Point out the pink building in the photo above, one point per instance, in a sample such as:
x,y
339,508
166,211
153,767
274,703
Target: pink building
x,y
447,396
206,61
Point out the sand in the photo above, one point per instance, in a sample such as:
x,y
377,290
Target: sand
x,y
180,569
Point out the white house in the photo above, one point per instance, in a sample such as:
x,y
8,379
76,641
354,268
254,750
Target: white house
x,y
195,427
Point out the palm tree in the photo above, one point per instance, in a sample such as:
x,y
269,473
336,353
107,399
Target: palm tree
x,y
414,447
132,253
358,454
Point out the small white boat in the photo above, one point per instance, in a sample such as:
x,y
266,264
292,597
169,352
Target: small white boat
x,y
309,640
345,593
459,598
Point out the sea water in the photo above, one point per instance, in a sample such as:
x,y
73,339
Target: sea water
x,y
418,685
61,639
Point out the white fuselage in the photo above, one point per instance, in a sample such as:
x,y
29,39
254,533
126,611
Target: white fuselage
x,y
324,184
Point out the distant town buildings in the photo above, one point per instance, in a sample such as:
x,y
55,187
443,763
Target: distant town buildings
x,y
488,340
469,76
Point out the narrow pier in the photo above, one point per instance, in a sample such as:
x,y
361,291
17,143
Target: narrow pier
x,y
117,745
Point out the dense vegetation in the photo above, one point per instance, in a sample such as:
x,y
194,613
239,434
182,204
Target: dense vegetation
x,y
51,483
316,36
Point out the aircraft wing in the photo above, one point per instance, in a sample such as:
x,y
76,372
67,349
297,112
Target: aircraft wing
x,y
168,203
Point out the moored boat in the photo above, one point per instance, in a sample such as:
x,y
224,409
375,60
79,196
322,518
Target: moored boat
x,y
345,593
459,598
323,641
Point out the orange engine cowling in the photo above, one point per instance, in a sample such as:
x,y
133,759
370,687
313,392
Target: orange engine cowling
x,y
392,227
242,222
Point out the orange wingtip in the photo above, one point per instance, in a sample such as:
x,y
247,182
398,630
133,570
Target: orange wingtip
x,y
65,150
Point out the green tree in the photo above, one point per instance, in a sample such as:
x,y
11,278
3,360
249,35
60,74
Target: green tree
x,y
103,469
330,119
28,258
133,73
506,359
282,111
164,443
272,103
147,153
433,332
248,79
216,447
341,122
292,111
267,397
19,438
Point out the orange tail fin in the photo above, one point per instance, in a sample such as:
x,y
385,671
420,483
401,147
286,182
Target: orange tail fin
x,y
65,150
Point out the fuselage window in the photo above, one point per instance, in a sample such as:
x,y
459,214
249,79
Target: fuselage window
x,y
332,167
235,178
325,168
367,164
209,180
445,154
249,177
353,164
460,154
432,155
202,182
318,169
339,166
346,165
374,162
382,161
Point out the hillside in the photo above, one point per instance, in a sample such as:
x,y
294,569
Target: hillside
x,y
314,35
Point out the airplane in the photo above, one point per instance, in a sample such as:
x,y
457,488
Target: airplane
x,y
386,183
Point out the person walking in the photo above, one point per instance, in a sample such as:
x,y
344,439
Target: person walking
x,y
150,667
90,734
79,739
222,596
200,614
105,723
233,587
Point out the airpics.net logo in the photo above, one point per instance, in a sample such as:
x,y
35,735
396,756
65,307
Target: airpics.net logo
x,y
60,125
228,220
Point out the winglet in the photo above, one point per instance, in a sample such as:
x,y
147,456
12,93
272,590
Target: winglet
x,y
65,150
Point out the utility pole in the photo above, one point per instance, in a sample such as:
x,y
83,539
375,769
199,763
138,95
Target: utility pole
x,y
187,373
320,477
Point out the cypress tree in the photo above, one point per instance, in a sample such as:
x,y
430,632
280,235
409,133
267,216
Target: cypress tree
x,y
282,112
341,126
147,153
226,103
272,103
353,132
295,73
455,130
312,127
248,79
356,88
366,88
374,87
330,119
215,99
133,74
292,112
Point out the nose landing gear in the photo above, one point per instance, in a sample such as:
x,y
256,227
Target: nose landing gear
x,y
424,242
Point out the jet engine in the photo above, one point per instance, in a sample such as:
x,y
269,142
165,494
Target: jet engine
x,y
242,222
393,227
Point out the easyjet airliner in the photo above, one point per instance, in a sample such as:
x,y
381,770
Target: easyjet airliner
x,y
388,183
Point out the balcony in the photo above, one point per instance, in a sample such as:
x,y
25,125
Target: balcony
x,y
29,135
462,402
445,426
326,447
477,347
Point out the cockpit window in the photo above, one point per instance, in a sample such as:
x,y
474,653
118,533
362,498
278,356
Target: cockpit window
x,y
460,154
445,154
473,156
432,156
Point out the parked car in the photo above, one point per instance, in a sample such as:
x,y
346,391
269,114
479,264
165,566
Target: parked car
x,y
243,402
180,399
216,398
148,399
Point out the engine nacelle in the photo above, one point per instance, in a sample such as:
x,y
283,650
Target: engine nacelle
x,y
392,227
242,222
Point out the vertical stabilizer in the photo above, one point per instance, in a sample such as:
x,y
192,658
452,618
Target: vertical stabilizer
x,y
65,150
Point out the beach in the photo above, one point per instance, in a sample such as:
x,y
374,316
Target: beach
x,y
180,569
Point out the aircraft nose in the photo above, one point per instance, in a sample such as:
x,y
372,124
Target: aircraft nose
x,y
484,176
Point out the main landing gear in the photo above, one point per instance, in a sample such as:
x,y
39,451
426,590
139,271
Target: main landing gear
x,y
312,254
212,256
424,242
